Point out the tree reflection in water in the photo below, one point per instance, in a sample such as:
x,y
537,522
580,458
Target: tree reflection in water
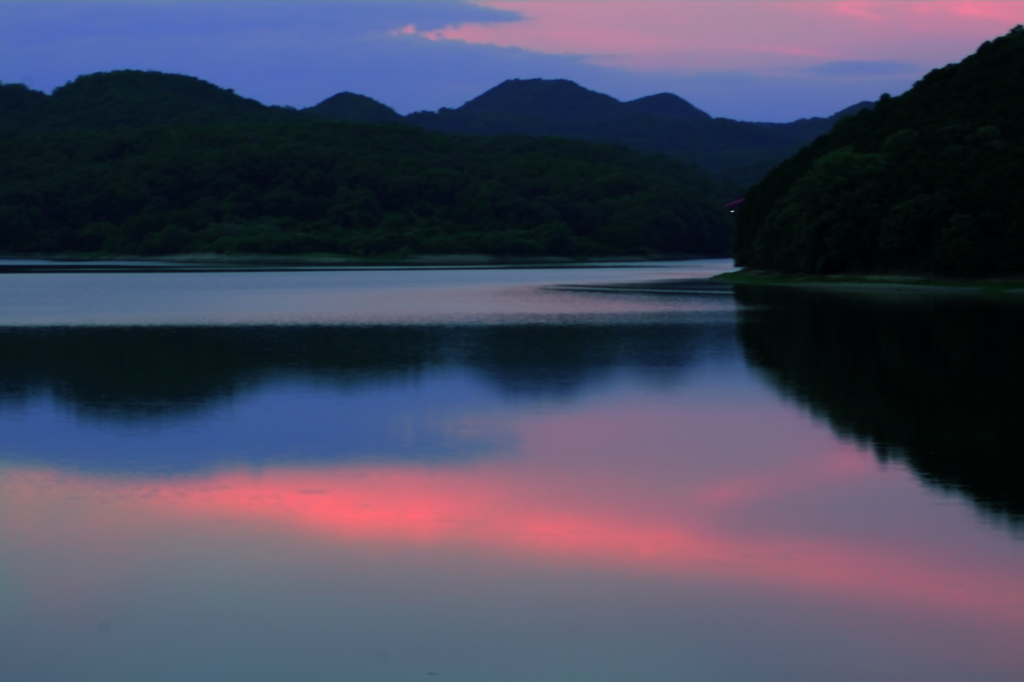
x,y
177,399
128,373
931,380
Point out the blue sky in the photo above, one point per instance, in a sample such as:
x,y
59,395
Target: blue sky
x,y
756,60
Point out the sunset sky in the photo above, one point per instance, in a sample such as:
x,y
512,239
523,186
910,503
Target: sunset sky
x,y
749,59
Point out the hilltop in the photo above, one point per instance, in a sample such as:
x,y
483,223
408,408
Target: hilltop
x,y
930,182
736,151
131,99
348,106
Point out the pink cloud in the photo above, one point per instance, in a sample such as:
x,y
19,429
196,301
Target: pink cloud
x,y
572,497
766,36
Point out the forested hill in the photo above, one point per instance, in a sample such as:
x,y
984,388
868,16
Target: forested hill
x,y
134,99
346,188
928,182
737,151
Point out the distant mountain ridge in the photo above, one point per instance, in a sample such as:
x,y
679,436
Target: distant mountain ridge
x,y
565,100
541,98
348,106
741,152
667,105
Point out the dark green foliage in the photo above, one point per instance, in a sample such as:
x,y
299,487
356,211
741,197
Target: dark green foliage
x,y
19,105
184,165
357,189
934,382
133,99
738,152
928,182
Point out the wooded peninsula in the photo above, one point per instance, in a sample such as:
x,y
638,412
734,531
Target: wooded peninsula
x,y
927,183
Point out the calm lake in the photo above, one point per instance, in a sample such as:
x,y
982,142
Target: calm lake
x,y
549,475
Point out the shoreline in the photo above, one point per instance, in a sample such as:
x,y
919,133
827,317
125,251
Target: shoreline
x,y
877,283
204,261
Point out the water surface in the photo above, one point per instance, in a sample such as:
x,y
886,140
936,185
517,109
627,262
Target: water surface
x,y
504,475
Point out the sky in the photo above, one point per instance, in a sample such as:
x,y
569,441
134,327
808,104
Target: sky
x,y
763,60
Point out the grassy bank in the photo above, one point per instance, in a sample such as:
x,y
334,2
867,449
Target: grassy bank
x,y
894,283
215,261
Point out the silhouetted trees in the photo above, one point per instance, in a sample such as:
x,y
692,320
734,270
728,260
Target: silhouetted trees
x,y
347,188
928,182
934,382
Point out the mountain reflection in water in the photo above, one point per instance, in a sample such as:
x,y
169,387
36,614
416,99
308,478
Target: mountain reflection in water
x,y
591,484
935,382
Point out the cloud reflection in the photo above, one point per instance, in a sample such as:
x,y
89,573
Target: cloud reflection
x,y
516,512
713,488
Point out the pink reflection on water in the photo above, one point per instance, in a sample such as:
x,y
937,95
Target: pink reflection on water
x,y
610,488
498,511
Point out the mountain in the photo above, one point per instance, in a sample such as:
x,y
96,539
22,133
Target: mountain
x,y
18,103
810,128
128,99
152,163
348,106
542,99
666,105
930,182
738,151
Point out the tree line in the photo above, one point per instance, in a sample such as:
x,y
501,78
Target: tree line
x,y
290,187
